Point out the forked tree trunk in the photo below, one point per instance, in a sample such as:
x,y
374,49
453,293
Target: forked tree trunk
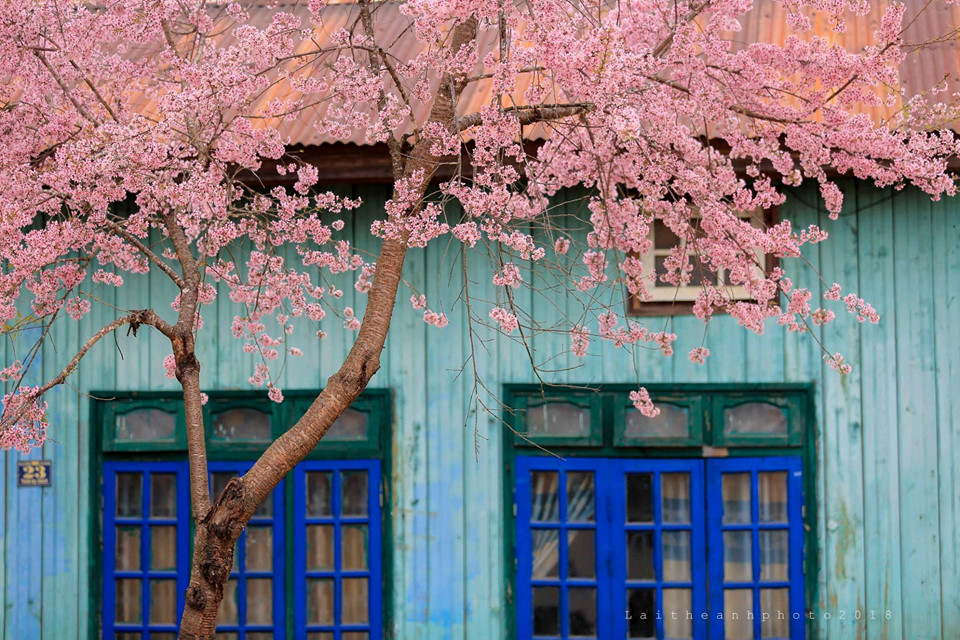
x,y
213,545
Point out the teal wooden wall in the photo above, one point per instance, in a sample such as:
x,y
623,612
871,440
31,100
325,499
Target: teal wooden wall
x,y
888,485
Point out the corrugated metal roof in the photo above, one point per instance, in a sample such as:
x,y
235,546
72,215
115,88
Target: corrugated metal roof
x,y
767,22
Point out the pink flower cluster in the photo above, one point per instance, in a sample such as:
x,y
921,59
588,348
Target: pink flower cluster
x,y
641,400
162,106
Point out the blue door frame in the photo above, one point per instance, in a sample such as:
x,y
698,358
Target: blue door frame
x,y
374,571
706,528
754,466
145,574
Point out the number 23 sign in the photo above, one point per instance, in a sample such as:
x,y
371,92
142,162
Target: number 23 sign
x,y
33,473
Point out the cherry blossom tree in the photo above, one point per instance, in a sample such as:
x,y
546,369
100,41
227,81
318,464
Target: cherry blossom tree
x,y
654,106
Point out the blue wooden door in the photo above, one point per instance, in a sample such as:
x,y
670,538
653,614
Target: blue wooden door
x,y
755,529
146,515
659,548
337,553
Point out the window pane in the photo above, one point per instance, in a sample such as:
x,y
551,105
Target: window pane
x,y
675,497
129,600
130,495
583,611
160,635
227,635
737,556
544,487
641,603
351,425
546,553
259,547
677,603
354,601
127,635
558,419
735,489
546,611
676,556
256,635
259,601
163,495
265,508
737,607
353,555
163,548
640,555
145,424
755,418
353,635
163,602
354,491
128,549
320,601
775,555
320,635
672,422
773,496
219,481
580,497
581,553
229,607
242,424
775,604
319,485
663,236
320,547
639,497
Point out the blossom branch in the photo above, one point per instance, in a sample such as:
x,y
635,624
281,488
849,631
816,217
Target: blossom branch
x,y
531,114
146,251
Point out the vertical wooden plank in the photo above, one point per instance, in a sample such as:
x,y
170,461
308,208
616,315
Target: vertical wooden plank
x,y
23,593
234,366
97,372
841,432
878,362
446,434
690,332
62,520
483,470
726,340
802,363
408,367
946,283
763,354
916,374
551,340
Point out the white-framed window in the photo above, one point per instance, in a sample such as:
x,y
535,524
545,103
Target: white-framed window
x,y
663,293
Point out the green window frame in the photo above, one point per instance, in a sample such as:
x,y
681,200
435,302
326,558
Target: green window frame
x,y
108,447
705,438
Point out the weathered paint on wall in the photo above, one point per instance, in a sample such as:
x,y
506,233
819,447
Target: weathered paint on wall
x,y
888,484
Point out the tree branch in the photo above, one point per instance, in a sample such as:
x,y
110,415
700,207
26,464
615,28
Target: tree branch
x,y
66,90
133,319
146,251
363,360
532,114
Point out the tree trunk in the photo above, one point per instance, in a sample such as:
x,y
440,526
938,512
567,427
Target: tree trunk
x,y
219,528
